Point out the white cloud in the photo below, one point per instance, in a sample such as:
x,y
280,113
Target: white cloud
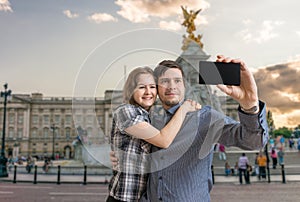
x,y
264,34
5,6
101,17
141,11
171,25
69,14
247,22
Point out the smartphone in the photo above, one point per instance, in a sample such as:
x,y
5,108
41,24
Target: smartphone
x,y
213,73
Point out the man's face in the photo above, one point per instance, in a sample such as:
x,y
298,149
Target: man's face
x,y
171,88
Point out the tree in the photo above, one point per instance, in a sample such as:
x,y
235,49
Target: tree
x,y
297,131
283,131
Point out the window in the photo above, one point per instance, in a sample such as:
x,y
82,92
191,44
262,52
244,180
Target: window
x,y
35,119
68,133
79,120
20,118
46,120
34,133
11,133
20,133
57,119
46,132
11,118
68,119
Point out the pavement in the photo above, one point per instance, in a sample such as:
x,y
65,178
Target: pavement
x,y
74,187
226,189
224,192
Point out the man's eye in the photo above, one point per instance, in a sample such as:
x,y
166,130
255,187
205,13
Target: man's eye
x,y
178,80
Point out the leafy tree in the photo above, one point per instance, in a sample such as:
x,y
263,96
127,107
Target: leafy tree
x,y
283,131
297,131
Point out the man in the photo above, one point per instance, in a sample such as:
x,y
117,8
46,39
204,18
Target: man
x,y
182,171
243,165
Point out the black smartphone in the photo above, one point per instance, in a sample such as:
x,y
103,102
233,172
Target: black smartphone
x,y
213,73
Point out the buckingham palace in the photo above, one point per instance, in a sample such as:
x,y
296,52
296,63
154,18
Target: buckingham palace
x,y
47,126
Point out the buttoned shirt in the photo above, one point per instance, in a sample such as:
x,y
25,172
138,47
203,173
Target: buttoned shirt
x,y
130,175
182,172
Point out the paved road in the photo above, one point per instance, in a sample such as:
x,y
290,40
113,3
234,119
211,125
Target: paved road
x,y
223,192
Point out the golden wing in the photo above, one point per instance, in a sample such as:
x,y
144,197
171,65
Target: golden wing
x,y
198,11
185,13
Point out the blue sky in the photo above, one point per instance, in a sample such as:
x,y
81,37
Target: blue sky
x,y
81,47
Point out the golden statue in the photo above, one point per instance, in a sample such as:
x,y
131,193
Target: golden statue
x,y
188,22
189,18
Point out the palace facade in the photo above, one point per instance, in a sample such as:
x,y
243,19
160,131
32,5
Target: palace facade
x,y
48,126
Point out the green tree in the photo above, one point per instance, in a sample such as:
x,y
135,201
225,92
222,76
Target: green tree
x,y
283,131
296,131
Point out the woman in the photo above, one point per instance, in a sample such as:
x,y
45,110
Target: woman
x,y
274,157
132,135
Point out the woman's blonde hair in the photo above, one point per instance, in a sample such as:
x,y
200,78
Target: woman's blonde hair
x,y
131,83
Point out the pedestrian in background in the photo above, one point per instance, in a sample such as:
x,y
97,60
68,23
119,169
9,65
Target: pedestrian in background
x,y
280,155
262,164
243,164
227,169
222,154
274,157
256,167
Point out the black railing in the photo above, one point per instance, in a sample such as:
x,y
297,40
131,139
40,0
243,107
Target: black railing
x,y
288,170
62,174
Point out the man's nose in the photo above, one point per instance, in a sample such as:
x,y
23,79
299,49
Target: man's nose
x,y
172,84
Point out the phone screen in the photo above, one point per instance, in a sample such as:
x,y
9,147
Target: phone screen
x,y
213,73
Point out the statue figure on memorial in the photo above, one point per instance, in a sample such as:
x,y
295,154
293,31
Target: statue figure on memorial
x,y
189,18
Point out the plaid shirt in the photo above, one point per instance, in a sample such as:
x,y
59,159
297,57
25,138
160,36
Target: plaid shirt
x,y
130,175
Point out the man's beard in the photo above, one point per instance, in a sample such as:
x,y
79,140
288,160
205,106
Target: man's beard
x,y
171,103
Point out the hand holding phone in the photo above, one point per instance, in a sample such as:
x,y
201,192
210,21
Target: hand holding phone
x,y
213,73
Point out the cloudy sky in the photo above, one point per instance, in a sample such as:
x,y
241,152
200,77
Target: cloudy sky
x,y
83,47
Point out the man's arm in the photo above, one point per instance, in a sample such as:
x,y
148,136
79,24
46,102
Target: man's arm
x,y
250,133
252,112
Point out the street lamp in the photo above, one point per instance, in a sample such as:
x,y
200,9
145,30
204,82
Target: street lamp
x,y
53,140
3,159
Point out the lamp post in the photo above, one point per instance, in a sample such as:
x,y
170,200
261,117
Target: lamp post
x,y
53,140
3,159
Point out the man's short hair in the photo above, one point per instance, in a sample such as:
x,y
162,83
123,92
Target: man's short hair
x,y
163,66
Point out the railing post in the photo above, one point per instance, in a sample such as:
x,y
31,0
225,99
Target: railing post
x,y
283,173
58,174
84,176
35,174
213,174
105,180
15,174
